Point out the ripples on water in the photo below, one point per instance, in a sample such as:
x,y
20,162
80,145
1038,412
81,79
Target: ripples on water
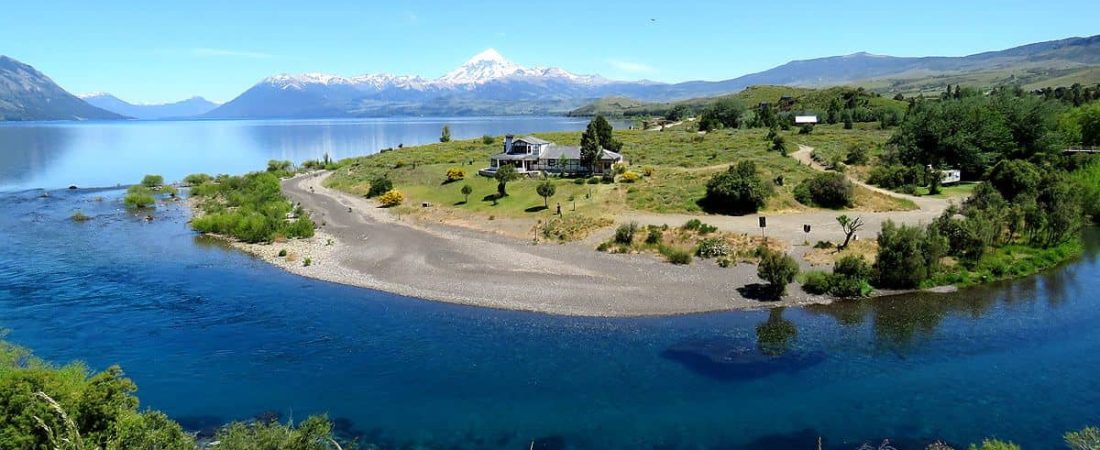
x,y
212,335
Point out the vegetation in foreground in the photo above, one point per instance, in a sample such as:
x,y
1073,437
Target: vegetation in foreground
x,y
47,407
250,208
694,239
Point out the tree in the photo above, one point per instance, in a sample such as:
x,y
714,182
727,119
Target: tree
x,y
738,190
850,227
505,174
604,135
546,189
907,255
777,268
466,191
722,113
590,147
445,136
846,116
1013,178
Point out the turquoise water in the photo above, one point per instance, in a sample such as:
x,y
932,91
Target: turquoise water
x,y
210,335
54,155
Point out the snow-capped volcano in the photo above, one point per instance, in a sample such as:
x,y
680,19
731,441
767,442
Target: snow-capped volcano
x,y
485,66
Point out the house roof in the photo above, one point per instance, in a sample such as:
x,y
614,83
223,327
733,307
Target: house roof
x,y
555,151
532,140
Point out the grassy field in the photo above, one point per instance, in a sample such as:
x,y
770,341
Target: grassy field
x,y
682,161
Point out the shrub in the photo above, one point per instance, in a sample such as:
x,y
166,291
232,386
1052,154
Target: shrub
x,y
654,236
625,233
907,255
816,282
824,244
282,253
307,262
488,140
648,170
618,168
1013,177
806,129
738,190
629,177
455,174
391,198
379,185
139,196
152,181
675,255
79,217
594,180
712,248
196,179
280,168
895,176
249,208
828,190
777,268
857,155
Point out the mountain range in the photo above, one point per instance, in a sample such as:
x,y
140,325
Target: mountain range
x,y
490,84
27,94
193,106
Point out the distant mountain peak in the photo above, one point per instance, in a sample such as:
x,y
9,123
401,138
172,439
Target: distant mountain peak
x,y
485,66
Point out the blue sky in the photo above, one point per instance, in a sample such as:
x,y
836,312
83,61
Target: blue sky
x,y
154,51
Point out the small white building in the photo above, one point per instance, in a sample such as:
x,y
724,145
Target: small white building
x,y
951,176
805,120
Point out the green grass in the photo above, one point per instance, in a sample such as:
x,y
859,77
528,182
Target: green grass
x,y
1008,262
683,161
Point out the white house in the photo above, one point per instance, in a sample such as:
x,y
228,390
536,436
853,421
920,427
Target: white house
x,y
805,120
531,155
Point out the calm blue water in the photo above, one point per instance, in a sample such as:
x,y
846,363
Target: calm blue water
x,y
211,335
55,155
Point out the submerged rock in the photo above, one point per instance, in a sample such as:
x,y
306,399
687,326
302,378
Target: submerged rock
x,y
724,358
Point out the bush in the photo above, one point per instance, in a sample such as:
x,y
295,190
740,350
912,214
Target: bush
x,y
152,181
307,262
806,129
1013,178
675,255
379,185
654,236
824,244
625,233
594,180
827,190
738,190
280,168
907,255
712,248
196,179
777,268
250,208
816,282
857,155
698,226
648,170
139,196
895,176
618,168
488,140
282,253
455,174
391,198
629,177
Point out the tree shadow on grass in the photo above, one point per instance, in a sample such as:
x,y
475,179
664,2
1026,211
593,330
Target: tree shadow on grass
x,y
759,292
460,203
536,209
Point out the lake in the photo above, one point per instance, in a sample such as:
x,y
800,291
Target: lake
x,y
53,155
211,335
